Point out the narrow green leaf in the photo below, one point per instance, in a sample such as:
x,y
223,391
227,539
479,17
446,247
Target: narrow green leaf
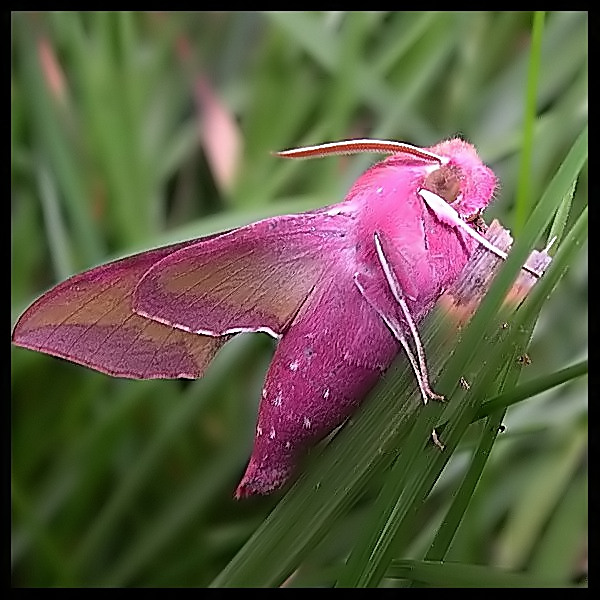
x,y
560,219
532,388
58,240
561,548
370,558
452,574
523,187
544,491
55,145
120,499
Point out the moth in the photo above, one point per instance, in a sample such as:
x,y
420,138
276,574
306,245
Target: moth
x,y
342,288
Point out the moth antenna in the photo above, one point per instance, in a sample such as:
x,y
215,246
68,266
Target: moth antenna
x,y
360,146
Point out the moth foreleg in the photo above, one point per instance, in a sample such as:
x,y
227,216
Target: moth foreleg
x,y
372,294
382,246
446,214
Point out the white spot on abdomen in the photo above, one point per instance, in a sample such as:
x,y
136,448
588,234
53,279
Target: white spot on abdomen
x,y
326,393
277,400
258,430
307,422
294,366
272,433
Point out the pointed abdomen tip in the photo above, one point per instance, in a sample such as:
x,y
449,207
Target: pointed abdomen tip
x,y
261,480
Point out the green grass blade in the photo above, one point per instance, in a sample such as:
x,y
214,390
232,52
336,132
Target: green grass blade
x,y
55,228
532,388
523,187
55,145
560,220
451,574
464,493
368,562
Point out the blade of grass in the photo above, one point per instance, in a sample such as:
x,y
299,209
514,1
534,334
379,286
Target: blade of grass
x,y
52,556
540,497
55,146
411,481
407,486
562,536
453,574
58,240
522,207
531,388
412,27
187,507
462,497
560,219
194,401
368,562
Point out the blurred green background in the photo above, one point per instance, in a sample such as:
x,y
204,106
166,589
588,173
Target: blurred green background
x,y
131,130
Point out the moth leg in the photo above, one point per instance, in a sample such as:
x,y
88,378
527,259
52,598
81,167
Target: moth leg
x,y
448,215
398,294
396,329
436,440
371,292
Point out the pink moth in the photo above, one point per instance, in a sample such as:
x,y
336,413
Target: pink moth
x,y
342,288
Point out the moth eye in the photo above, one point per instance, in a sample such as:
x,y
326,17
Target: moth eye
x,y
444,182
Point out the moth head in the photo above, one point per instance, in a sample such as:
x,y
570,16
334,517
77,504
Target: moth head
x,y
445,182
464,180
